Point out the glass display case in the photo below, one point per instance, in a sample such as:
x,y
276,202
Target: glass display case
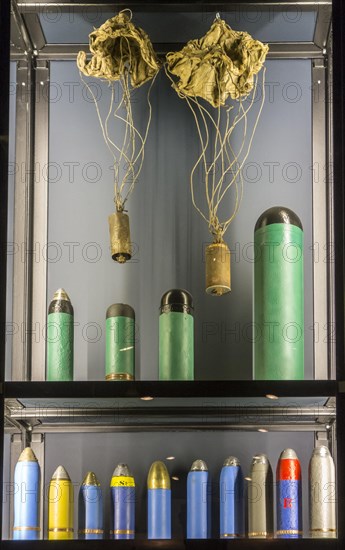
x,y
54,220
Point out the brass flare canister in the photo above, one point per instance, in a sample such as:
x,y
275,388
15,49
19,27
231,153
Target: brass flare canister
x,y
120,239
218,279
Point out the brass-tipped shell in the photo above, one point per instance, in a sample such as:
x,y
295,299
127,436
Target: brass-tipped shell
x,y
120,239
61,294
217,258
91,479
60,473
27,455
158,477
60,303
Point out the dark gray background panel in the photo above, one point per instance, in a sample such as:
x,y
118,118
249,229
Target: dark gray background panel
x,y
169,235
272,25
100,453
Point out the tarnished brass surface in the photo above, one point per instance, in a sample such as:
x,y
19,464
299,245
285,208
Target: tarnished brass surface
x,y
60,303
120,239
27,455
218,280
91,479
60,473
119,376
260,535
61,294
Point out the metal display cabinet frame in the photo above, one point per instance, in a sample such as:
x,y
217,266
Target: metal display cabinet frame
x,y
28,424
33,56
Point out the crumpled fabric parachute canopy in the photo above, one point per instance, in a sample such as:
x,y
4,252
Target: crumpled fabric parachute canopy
x,y
219,65
119,46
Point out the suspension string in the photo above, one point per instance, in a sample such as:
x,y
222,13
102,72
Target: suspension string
x,y
255,125
203,111
221,153
131,133
234,158
239,171
222,149
141,153
221,192
253,132
129,150
235,123
126,152
99,116
106,137
107,140
130,11
201,157
116,164
117,188
215,156
129,114
237,199
204,148
213,221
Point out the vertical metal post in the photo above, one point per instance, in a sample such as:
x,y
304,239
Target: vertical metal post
x,y
340,473
338,131
331,205
40,221
23,200
4,123
320,219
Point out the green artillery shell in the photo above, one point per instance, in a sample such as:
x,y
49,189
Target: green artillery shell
x,y
176,336
60,332
260,499
120,343
278,296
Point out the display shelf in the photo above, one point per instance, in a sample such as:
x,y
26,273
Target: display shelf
x,y
190,389
167,5
84,406
211,544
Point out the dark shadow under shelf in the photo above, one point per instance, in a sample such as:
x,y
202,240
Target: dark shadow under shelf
x,y
148,406
211,544
202,388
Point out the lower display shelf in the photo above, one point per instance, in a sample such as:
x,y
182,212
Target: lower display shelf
x,y
175,544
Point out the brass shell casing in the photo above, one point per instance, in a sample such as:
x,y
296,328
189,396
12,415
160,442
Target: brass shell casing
x,y
218,280
119,376
120,239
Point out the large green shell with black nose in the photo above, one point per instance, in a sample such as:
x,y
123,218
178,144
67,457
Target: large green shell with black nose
x,y
278,328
